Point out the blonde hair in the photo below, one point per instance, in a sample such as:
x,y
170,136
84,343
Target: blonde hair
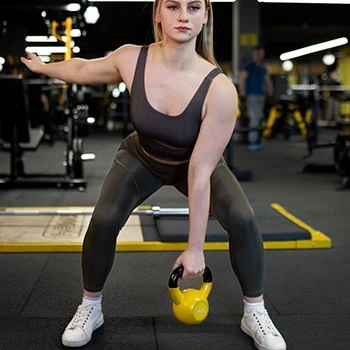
x,y
205,39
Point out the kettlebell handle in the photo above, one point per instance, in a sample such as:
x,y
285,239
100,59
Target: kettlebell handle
x,y
177,274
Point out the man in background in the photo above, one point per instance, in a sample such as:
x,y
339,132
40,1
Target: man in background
x,y
254,84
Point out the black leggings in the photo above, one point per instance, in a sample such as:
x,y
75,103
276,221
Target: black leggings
x,y
129,183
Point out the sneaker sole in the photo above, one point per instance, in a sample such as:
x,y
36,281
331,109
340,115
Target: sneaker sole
x,y
246,330
78,344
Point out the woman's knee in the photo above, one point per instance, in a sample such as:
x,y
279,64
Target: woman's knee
x,y
243,223
104,223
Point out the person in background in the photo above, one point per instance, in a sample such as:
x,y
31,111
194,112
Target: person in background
x,y
254,84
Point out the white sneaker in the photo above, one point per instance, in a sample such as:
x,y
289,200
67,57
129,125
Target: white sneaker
x,y
79,330
258,325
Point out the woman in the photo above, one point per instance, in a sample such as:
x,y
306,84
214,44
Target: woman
x,y
183,109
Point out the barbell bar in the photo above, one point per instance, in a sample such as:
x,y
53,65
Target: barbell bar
x,y
154,211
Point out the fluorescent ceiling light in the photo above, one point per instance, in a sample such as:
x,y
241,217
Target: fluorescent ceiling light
x,y
40,39
88,156
73,7
50,39
328,59
91,15
314,48
75,33
152,1
45,58
287,65
333,2
46,50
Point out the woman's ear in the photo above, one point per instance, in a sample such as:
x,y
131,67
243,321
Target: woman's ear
x,y
157,17
206,16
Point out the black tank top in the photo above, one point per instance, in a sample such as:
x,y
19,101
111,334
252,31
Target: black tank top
x,y
162,136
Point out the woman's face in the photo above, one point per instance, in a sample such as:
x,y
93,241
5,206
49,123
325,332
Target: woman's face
x,y
181,20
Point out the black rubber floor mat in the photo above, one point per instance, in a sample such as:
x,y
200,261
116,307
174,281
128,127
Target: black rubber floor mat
x,y
273,226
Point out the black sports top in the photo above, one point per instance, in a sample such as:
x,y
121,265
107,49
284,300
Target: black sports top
x,y
162,136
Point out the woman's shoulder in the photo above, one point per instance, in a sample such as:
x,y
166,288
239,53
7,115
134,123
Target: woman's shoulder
x,y
125,57
127,51
222,82
222,88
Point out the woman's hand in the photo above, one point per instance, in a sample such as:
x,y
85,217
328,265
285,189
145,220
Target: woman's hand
x,y
193,262
33,62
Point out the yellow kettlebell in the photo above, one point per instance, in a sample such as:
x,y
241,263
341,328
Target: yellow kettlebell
x,y
190,306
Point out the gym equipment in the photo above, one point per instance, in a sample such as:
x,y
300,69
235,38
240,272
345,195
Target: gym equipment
x,y
313,125
241,175
171,224
17,137
278,119
312,138
116,111
273,226
340,144
154,211
341,150
342,157
190,306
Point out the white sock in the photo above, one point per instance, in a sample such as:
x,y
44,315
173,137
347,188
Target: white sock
x,y
90,300
252,306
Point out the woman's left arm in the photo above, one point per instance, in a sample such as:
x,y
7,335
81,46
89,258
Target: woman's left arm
x,y
216,130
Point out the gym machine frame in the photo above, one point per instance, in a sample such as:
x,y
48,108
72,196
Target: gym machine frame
x,y
16,136
341,145
73,178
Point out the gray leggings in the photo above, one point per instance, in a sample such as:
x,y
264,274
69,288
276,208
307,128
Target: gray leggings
x,y
255,106
129,183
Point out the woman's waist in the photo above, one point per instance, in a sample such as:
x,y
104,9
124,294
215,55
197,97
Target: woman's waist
x,y
159,152
165,153
164,161
132,144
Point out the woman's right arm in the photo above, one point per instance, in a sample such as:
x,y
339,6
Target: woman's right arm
x,y
104,70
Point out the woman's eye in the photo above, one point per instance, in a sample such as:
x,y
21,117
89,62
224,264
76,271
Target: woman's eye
x,y
194,8
172,7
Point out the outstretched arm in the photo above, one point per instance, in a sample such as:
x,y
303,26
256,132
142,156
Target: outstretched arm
x,y
216,131
104,70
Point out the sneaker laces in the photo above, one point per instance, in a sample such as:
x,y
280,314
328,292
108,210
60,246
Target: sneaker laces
x,y
264,322
81,316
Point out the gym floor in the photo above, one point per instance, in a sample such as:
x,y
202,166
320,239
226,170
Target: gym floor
x,y
306,290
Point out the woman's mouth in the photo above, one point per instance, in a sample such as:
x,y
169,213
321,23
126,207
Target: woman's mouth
x,y
182,29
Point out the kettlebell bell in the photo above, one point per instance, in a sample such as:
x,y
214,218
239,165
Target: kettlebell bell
x,y
190,306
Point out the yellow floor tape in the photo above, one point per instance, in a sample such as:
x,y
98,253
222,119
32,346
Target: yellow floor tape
x,y
318,239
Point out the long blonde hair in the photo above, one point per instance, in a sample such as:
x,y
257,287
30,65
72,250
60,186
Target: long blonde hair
x,y
205,39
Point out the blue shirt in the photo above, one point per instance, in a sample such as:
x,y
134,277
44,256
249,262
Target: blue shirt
x,y
255,83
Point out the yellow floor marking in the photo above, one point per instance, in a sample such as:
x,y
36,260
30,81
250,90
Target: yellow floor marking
x,y
318,238
17,238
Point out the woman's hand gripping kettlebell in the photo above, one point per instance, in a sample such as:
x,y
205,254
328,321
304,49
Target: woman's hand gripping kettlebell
x,y
193,262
